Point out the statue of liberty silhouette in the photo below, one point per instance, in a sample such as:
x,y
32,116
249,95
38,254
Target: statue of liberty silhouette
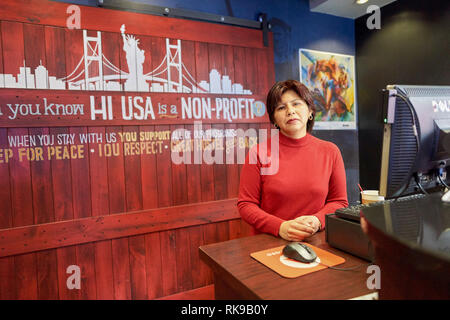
x,y
135,59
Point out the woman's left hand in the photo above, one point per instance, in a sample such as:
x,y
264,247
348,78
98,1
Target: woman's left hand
x,y
311,221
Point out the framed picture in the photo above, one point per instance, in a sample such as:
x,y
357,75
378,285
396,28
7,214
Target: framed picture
x,y
331,79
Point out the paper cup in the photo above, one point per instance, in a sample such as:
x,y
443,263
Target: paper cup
x,y
370,196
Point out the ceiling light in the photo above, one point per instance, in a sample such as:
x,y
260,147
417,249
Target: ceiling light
x,y
361,1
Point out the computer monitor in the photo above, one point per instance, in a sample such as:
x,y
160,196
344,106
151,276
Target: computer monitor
x,y
416,139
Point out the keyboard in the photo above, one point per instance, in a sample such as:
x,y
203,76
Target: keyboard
x,y
352,212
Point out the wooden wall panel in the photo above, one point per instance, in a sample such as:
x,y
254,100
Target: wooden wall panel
x,y
132,222
13,48
154,268
2,78
179,183
149,176
164,174
7,269
54,45
168,262
138,272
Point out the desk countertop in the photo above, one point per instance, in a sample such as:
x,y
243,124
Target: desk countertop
x,y
232,264
420,224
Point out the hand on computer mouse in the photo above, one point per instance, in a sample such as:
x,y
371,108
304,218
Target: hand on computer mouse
x,y
293,230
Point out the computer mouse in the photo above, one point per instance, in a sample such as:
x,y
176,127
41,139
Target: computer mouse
x,y
446,197
299,252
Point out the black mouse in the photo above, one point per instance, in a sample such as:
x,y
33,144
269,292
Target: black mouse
x,y
299,252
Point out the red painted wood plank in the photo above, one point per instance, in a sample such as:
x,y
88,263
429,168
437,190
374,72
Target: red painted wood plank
x,y
100,206
13,49
193,171
63,210
7,271
117,199
41,177
112,49
228,63
66,257
54,13
202,62
234,228
34,45
2,78
157,55
220,169
74,54
138,271
188,58
179,180
183,259
26,277
86,262
116,173
47,278
133,186
81,191
200,277
251,70
82,207
121,268
239,65
232,164
207,173
223,231
262,70
153,265
270,63
66,233
5,191
62,183
8,287
241,149
164,171
41,182
98,172
210,236
145,44
149,174
21,191
55,52
103,270
168,262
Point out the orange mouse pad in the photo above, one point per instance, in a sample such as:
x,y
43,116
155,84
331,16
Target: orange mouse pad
x,y
288,268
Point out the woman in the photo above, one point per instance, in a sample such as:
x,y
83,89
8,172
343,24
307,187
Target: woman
x,y
310,181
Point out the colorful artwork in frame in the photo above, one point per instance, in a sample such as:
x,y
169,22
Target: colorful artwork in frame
x,y
331,79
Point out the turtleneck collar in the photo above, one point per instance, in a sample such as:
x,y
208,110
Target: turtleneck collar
x,y
291,142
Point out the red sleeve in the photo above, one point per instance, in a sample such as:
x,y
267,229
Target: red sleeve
x,y
249,198
337,190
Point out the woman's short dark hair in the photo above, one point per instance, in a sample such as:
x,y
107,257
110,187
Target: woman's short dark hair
x,y
279,88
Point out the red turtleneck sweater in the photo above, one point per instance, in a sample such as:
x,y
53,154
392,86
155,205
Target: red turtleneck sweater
x,y
310,181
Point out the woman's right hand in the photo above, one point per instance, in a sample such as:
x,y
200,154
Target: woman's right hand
x,y
292,230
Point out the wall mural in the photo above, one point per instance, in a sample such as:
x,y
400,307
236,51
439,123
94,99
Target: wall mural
x,y
90,121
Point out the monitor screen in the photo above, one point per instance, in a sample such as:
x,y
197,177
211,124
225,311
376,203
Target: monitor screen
x,y
416,139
